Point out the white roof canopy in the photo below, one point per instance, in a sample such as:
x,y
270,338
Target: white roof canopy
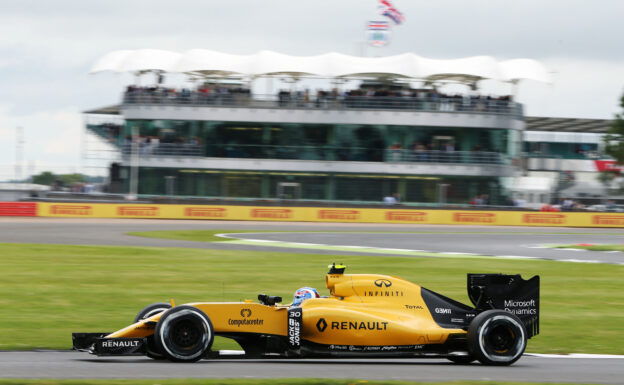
x,y
329,65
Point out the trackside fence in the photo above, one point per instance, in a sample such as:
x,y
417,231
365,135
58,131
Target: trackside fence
x,y
312,214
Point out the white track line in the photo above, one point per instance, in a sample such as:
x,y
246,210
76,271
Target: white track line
x,y
381,249
575,355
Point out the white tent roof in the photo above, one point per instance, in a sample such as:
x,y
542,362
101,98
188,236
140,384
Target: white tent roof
x,y
330,65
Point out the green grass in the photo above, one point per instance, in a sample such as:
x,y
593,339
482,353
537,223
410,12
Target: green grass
x,y
619,247
49,291
274,381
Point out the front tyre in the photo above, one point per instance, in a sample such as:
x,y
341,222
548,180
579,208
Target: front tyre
x,y
148,311
184,334
496,337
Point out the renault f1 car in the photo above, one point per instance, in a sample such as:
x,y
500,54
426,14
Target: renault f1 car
x,y
365,315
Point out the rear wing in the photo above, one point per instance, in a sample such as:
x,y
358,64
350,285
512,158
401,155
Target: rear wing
x,y
510,293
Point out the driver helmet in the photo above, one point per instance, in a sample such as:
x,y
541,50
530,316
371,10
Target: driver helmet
x,y
304,293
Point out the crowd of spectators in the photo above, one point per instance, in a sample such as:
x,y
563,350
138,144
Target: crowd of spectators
x,y
205,94
166,145
371,98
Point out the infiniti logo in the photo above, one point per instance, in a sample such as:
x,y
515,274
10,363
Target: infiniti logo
x,y
383,282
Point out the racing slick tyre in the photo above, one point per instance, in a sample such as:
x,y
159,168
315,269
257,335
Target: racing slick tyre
x,y
461,360
184,334
496,337
150,310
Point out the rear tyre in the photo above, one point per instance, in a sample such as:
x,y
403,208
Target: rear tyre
x,y
461,360
184,334
496,337
147,312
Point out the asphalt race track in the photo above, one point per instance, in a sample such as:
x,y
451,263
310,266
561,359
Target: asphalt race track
x,y
483,240
495,241
528,368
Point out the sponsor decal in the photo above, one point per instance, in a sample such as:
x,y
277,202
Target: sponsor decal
x,y
406,216
246,320
383,348
120,343
137,211
383,293
294,327
71,210
551,219
612,220
271,213
607,165
441,310
205,212
527,307
457,320
413,307
340,215
383,282
474,217
321,325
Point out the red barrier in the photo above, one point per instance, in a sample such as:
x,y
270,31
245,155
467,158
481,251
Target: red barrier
x,y
18,209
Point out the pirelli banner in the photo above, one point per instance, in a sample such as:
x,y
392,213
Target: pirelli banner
x,y
315,214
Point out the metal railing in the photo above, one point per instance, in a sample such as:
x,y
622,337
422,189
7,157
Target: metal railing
x,y
164,149
435,103
435,156
324,153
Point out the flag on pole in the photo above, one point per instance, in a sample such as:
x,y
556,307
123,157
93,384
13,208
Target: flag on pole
x,y
388,10
378,33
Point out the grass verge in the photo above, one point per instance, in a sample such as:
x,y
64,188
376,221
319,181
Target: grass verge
x,y
49,291
617,247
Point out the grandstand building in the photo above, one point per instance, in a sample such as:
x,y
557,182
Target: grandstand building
x,y
382,137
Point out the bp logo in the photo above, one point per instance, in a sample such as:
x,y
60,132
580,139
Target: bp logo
x,y
383,282
245,313
321,325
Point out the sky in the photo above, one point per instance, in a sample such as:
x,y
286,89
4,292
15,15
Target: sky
x,y
48,47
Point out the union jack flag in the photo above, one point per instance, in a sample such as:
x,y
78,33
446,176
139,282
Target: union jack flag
x,y
387,9
378,26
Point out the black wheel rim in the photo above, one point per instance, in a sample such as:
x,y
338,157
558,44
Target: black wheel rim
x,y
501,339
185,334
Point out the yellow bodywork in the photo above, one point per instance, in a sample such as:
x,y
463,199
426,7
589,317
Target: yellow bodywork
x,y
362,309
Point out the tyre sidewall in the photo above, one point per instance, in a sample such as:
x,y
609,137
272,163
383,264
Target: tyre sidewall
x,y
151,310
166,325
483,324
148,311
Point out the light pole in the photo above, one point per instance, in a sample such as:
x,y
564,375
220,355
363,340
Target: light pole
x,y
134,165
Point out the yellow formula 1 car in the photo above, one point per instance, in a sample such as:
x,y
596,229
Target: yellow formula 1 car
x,y
365,315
